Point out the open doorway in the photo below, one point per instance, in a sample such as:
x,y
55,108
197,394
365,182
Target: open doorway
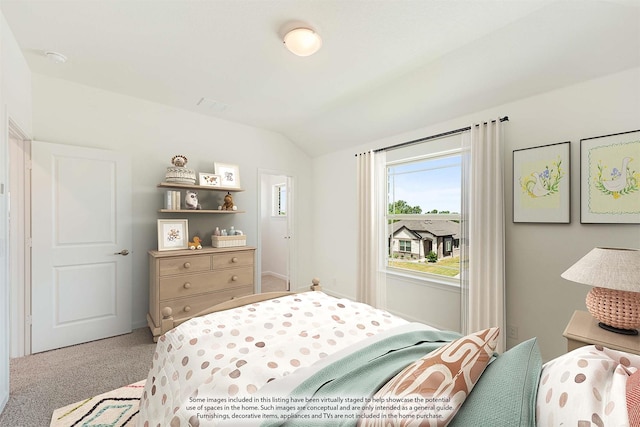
x,y
276,239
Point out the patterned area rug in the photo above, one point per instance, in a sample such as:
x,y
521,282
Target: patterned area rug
x,y
114,408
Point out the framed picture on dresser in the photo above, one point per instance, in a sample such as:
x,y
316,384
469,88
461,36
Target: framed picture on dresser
x,y
173,234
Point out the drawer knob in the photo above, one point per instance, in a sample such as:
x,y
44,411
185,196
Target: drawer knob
x,y
187,308
234,278
166,312
187,285
187,265
234,259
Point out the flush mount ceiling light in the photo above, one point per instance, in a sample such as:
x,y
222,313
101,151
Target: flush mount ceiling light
x,y
56,57
302,41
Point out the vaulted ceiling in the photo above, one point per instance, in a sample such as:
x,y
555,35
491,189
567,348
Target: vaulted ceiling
x,y
386,66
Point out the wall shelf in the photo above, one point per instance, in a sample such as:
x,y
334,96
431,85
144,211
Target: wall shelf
x,y
196,187
178,186
204,211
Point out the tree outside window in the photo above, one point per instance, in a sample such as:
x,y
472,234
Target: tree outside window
x,y
424,202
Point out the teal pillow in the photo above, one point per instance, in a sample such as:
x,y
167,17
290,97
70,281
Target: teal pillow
x,y
505,394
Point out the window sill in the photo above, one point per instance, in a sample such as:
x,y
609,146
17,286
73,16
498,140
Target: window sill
x,y
425,279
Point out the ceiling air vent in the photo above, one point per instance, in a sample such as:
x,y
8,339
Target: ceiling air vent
x,y
212,105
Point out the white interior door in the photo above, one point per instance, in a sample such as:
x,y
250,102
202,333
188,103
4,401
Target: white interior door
x,y
81,231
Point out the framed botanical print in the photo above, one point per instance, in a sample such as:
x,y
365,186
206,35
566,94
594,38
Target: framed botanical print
x,y
173,234
610,179
541,184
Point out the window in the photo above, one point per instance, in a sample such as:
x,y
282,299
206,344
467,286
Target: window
x,y
404,245
423,218
280,200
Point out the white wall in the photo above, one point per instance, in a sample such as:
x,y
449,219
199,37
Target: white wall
x,y
539,302
15,101
151,134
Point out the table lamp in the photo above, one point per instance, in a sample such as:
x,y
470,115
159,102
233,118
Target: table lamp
x,y
614,299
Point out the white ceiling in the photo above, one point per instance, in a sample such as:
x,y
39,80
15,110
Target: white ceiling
x,y
386,66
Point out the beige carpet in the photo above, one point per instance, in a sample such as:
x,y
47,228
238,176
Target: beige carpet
x,y
42,382
272,284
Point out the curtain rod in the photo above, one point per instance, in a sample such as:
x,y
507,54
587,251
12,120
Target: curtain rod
x,y
440,135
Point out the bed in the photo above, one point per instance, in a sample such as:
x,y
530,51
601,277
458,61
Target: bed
x,y
310,359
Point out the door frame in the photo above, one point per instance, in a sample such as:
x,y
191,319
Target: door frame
x,y
20,246
290,218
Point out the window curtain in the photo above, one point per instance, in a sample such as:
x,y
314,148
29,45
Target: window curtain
x,y
482,229
371,248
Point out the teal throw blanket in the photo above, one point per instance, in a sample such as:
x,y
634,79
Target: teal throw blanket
x,y
344,386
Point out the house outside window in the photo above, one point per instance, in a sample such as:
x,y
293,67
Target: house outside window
x,y
423,218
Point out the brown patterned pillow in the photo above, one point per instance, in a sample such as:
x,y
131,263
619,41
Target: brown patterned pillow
x,y
430,391
633,398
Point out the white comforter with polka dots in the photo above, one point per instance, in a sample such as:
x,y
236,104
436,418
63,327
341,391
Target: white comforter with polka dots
x,y
221,360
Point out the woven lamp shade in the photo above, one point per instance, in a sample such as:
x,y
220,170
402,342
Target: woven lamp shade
x,y
615,274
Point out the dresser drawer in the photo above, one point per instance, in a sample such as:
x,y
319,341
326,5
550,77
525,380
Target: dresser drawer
x,y
191,281
232,259
181,265
187,307
193,284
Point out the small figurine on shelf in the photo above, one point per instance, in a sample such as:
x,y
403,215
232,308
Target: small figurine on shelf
x,y
179,160
191,200
228,203
196,243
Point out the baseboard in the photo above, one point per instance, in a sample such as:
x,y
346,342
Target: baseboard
x,y
139,324
335,294
3,400
274,274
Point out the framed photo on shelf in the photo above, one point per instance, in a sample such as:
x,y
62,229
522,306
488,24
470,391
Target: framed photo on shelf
x,y
229,174
173,234
610,179
541,184
209,180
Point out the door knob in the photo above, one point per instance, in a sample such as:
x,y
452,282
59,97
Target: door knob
x,y
123,252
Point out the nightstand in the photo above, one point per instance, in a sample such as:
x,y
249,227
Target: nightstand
x,y
583,330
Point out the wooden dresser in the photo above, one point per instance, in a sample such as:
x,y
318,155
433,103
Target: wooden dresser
x,y
189,281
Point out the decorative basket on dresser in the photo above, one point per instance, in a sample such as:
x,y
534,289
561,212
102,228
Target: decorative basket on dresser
x,y
185,282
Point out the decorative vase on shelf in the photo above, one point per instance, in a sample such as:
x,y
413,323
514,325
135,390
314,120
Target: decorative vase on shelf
x,y
178,173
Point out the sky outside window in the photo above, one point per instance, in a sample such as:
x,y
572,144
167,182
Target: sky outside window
x,y
430,183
